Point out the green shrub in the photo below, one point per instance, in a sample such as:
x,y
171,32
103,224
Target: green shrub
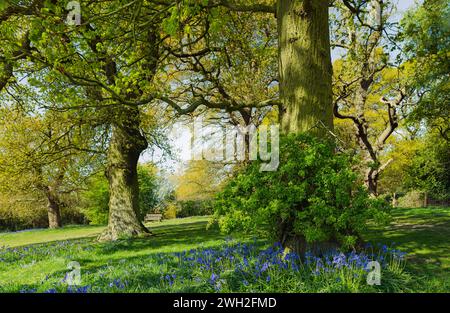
x,y
314,195
29,210
17,215
95,200
194,208
170,211
412,199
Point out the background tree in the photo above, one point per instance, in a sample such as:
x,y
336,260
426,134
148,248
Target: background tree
x,y
425,33
40,153
369,87
200,181
149,189
429,168
394,177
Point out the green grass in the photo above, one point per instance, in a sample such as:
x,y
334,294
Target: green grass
x,y
43,256
169,236
424,233
29,237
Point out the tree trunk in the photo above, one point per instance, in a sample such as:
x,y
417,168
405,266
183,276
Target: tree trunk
x,y
371,182
373,173
305,84
425,199
53,209
299,245
125,147
305,66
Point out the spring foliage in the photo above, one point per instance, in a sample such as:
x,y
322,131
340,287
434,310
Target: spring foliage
x,y
314,195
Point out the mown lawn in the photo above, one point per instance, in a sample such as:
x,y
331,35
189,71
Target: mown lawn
x,y
185,256
424,233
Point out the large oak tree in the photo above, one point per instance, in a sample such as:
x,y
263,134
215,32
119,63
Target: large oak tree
x,y
105,66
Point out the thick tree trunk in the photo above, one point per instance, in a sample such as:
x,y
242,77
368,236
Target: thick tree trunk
x,y
299,245
53,209
125,147
305,66
373,173
305,84
371,181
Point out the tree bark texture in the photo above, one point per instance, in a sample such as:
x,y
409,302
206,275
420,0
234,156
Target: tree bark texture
x,y
305,66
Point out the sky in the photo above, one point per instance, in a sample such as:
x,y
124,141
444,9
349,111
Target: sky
x,y
181,138
404,5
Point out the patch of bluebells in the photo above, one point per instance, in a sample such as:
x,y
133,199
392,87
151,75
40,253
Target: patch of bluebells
x,y
118,284
68,289
234,266
27,254
170,279
254,265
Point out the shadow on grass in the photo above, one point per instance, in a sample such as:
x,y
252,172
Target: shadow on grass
x,y
165,236
135,260
424,234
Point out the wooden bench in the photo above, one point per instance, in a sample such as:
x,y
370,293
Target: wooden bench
x,y
153,218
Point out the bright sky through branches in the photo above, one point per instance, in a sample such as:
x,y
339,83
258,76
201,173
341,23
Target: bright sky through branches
x,y
181,139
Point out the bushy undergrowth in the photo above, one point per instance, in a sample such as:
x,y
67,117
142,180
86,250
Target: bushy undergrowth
x,y
194,208
234,267
314,195
19,217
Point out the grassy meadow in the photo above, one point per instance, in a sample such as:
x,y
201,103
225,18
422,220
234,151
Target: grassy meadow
x,y
184,255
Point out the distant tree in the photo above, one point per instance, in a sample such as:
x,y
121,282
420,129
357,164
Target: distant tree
x,y
425,36
149,195
200,181
95,199
394,177
41,153
228,76
369,88
429,169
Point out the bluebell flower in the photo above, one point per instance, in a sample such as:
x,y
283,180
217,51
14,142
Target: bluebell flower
x,y
213,278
